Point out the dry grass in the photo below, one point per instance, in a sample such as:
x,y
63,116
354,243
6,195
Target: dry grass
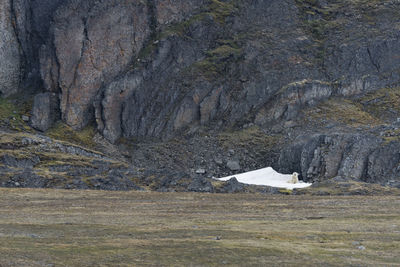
x,y
92,228
383,103
252,136
336,188
342,111
63,132
372,109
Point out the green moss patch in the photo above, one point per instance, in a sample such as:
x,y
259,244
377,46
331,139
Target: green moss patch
x,y
6,109
218,59
63,132
220,10
11,114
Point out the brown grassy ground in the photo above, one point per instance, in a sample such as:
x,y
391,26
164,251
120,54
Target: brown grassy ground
x,y
92,228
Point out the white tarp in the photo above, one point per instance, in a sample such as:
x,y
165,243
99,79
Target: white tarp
x,y
268,177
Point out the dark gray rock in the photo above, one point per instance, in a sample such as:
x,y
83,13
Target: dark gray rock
x,y
345,156
160,69
219,161
113,182
145,78
26,178
94,41
200,184
25,163
45,111
233,165
24,27
384,164
232,186
10,57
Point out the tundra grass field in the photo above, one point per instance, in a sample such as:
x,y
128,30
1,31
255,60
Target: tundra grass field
x,y
96,228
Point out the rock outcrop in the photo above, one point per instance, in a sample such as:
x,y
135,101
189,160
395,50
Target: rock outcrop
x,y
24,27
45,111
383,165
155,68
10,57
36,161
347,156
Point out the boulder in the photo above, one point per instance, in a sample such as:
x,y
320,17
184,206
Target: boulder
x,y
233,165
45,111
232,186
201,171
200,184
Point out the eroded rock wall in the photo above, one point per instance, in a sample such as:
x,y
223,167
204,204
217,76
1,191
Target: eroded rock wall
x,y
359,156
24,27
10,56
155,68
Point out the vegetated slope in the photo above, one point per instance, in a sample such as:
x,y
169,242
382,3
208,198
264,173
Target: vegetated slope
x,y
29,160
182,88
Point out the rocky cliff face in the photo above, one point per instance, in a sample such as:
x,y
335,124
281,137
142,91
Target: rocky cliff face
x,y
24,27
151,69
354,156
9,52
162,69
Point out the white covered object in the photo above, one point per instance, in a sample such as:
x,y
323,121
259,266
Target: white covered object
x,y
268,177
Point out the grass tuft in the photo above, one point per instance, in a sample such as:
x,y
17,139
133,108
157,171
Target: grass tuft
x,y
63,132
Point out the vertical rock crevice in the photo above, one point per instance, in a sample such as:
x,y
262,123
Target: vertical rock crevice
x,y
152,17
22,58
10,50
